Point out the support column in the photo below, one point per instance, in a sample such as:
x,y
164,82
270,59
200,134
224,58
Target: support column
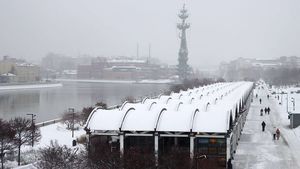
x,y
156,148
192,139
176,141
228,147
122,144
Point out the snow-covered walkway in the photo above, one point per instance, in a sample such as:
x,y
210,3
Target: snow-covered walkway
x,y
257,149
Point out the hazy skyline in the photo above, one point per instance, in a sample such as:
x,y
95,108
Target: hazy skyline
x,y
220,30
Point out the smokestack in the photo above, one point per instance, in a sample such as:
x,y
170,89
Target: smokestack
x,y
149,54
137,50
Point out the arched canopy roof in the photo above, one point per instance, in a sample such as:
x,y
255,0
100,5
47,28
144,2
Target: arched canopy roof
x,y
177,120
205,113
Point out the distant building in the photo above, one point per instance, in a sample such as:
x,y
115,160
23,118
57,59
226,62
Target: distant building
x,y
27,72
56,65
251,69
14,70
8,78
123,68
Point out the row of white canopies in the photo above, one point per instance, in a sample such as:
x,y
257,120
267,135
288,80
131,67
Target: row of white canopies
x,y
206,109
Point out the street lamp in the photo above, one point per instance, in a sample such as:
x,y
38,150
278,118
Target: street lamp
x,y
287,100
293,101
32,127
72,110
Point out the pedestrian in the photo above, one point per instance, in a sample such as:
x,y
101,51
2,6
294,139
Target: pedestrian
x,y
260,101
256,95
269,110
261,112
277,133
263,125
229,164
266,110
268,96
274,133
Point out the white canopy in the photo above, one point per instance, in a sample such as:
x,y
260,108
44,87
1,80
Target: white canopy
x,y
205,109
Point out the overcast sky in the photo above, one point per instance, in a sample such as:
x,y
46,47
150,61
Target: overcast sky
x,y
221,30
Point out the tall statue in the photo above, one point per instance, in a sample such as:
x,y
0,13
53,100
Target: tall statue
x,y
183,68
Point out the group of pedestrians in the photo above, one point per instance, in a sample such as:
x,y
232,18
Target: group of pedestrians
x,y
276,131
266,109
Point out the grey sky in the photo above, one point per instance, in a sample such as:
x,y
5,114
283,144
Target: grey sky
x,y
220,29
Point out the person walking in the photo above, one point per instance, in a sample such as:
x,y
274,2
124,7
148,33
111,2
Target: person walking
x,y
269,110
277,133
260,101
229,164
261,112
274,133
263,125
266,110
268,96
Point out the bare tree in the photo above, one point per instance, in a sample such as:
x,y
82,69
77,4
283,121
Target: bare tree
x,y
101,104
86,111
25,133
129,99
6,138
69,117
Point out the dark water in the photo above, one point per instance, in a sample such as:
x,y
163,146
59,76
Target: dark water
x,y
50,103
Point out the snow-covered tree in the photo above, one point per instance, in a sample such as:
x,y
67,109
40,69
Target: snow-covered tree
x,y
25,133
6,138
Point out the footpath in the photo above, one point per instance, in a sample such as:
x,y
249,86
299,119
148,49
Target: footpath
x,y
257,149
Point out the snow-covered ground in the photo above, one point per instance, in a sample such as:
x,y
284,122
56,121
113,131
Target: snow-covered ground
x,y
257,149
59,133
29,86
55,132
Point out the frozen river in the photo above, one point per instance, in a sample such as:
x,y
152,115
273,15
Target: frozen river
x,y
50,103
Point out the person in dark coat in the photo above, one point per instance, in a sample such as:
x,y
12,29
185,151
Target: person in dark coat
x,y
229,164
277,133
261,112
263,125
268,96
260,101
266,110
274,133
269,110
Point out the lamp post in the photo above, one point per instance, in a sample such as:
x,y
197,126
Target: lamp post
x,y
293,101
32,127
287,100
72,110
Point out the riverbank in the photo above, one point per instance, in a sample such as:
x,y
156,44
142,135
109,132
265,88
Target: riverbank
x,y
29,86
146,81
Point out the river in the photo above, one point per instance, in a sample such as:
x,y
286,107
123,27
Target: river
x,y
50,103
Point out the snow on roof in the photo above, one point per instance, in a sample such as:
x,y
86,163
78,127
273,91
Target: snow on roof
x,y
144,118
8,74
204,109
106,120
177,120
126,61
